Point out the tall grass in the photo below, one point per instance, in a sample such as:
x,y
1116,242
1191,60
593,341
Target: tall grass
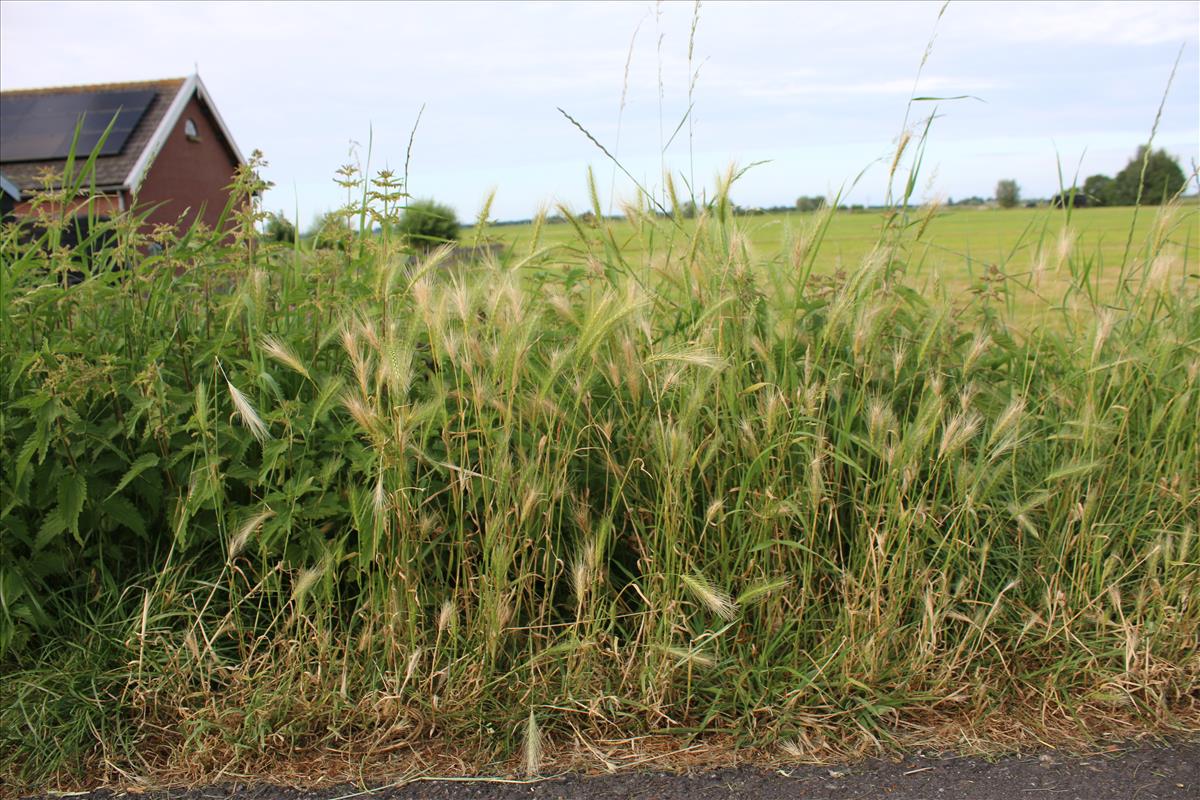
x,y
261,504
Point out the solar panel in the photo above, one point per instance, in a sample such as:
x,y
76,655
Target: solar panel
x,y
40,127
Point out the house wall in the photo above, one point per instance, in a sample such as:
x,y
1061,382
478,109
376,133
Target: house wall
x,y
187,175
104,205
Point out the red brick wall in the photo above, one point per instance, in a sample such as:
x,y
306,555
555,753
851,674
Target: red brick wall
x,y
105,205
186,175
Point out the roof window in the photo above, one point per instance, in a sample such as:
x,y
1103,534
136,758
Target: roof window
x,y
190,130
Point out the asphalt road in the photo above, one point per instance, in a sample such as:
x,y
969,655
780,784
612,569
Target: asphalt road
x,y
1139,773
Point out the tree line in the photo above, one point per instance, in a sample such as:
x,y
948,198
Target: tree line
x,y
1151,177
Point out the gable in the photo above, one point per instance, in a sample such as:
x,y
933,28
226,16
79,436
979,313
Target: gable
x,y
192,93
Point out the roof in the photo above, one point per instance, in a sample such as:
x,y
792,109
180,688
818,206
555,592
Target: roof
x,y
126,169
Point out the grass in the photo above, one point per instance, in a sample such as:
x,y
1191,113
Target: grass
x,y
956,248
269,507
644,491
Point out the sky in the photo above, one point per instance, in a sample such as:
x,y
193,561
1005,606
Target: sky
x,y
817,91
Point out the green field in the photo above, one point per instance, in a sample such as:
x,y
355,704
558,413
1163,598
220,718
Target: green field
x,y
956,246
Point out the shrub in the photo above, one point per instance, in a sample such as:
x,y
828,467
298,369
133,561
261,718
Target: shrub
x,y
428,224
1099,189
280,229
1164,179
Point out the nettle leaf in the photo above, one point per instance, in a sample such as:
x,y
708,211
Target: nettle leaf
x,y
53,526
69,414
125,513
16,527
25,455
150,489
143,463
72,493
44,564
32,402
272,452
18,370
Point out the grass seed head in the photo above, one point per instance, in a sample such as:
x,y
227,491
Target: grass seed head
x,y
248,415
1105,321
283,354
979,346
714,599
306,581
362,412
713,511
1009,418
961,428
881,420
694,656
447,618
532,747
238,542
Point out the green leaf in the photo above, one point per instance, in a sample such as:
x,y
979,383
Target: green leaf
x,y
35,442
143,463
126,513
53,526
72,492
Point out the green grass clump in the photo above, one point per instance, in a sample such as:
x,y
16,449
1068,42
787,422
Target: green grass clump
x,y
266,504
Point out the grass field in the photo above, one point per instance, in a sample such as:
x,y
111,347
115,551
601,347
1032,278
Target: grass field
x,y
657,489
957,246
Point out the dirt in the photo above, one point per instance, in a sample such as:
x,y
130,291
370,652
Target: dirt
x,y
1143,772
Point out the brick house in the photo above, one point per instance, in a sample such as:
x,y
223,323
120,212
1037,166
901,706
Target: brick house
x,y
168,149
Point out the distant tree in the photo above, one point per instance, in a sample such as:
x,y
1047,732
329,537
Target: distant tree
x,y
280,229
814,203
1164,179
1008,193
1099,189
428,224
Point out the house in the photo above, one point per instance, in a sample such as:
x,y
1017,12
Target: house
x,y
168,152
